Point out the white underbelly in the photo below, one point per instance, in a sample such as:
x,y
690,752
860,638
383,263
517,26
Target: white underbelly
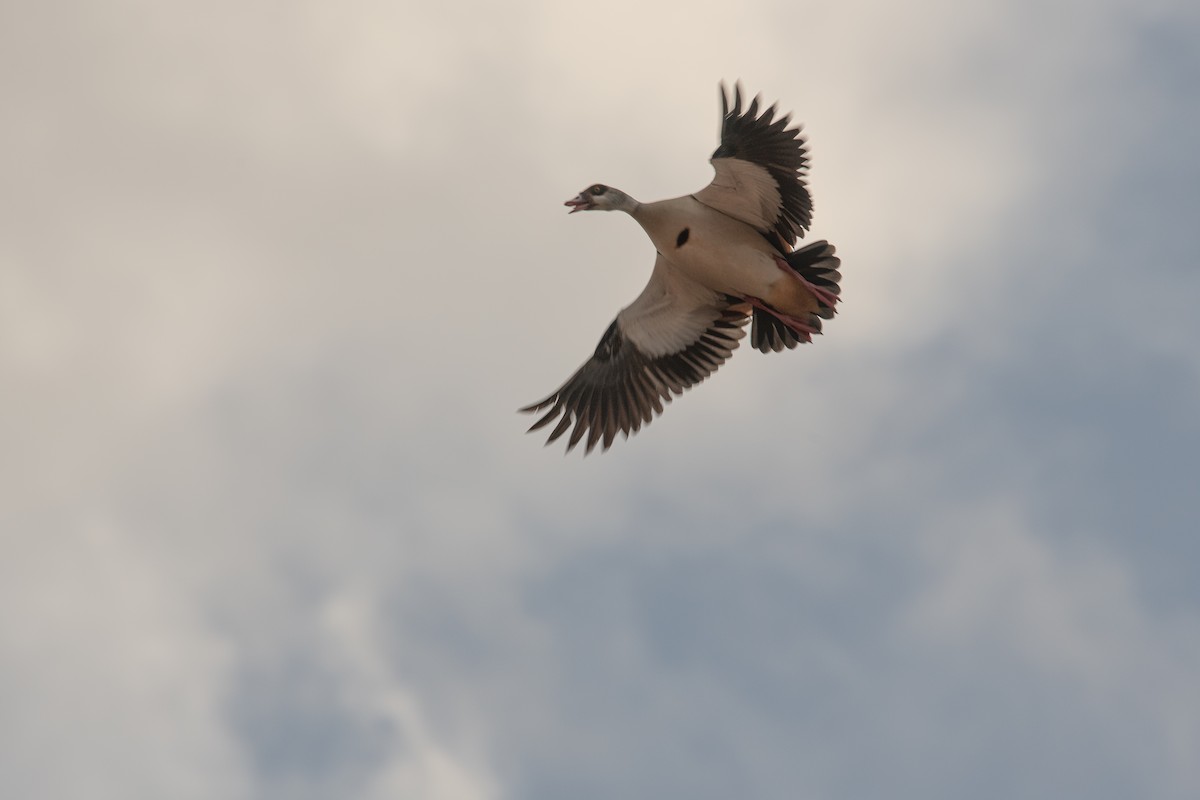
x,y
719,252
741,271
728,257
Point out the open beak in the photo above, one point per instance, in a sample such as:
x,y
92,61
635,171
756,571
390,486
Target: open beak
x,y
578,203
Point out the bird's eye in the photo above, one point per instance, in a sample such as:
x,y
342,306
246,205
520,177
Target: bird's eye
x,y
598,189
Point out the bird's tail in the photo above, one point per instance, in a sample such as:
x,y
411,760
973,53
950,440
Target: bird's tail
x,y
817,266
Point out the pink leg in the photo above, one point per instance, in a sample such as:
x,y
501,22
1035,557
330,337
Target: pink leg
x,y
802,329
824,295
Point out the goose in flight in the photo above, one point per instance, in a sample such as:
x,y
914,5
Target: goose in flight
x,y
724,256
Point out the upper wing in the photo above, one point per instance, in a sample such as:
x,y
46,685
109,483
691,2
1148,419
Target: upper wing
x,y
674,335
760,167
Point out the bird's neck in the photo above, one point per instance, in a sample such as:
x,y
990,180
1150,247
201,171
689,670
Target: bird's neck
x,y
623,202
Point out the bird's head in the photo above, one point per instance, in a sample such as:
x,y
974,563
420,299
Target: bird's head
x,y
599,197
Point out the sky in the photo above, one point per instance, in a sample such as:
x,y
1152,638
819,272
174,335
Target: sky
x,y
274,278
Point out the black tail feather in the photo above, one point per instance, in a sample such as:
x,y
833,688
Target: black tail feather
x,y
818,265
768,334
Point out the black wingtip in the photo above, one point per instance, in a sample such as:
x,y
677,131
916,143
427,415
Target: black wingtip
x,y
761,135
533,408
620,389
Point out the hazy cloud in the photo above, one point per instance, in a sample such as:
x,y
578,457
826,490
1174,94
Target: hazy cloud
x,y
274,278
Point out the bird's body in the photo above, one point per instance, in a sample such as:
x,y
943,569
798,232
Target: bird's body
x,y
713,243
724,255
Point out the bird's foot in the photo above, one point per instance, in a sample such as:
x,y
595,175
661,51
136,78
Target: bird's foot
x,y
804,330
824,295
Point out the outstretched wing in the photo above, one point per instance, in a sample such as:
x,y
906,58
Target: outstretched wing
x,y
674,335
760,167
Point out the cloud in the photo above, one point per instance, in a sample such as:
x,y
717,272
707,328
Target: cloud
x,y
274,279
112,682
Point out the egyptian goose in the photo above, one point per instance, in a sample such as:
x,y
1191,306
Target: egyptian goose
x,y
725,254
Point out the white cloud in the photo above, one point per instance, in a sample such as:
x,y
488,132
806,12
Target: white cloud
x,y
421,766
1000,595
112,683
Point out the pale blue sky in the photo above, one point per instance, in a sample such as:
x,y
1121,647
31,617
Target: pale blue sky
x,y
273,280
